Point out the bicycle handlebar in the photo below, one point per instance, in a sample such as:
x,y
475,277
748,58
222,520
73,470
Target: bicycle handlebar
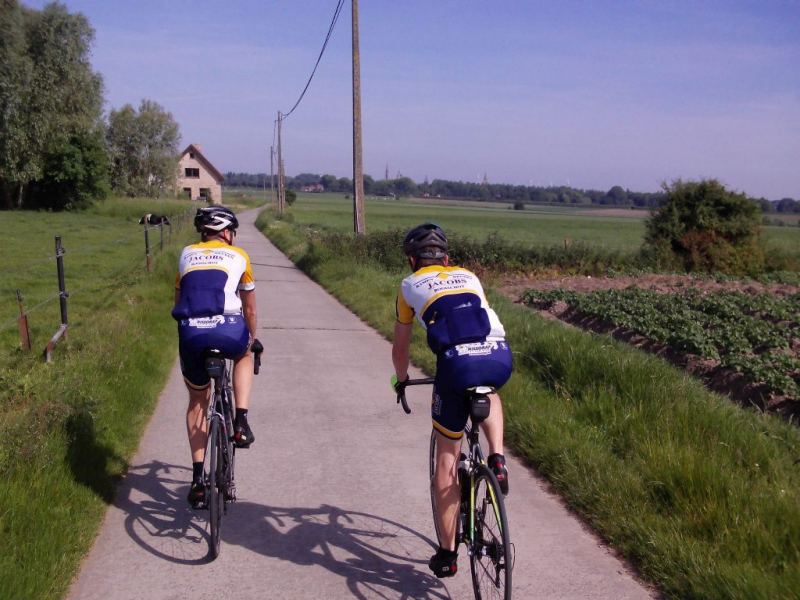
x,y
256,348
401,396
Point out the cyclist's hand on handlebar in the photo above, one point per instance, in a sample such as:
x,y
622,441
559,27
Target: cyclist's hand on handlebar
x,y
256,348
399,386
400,389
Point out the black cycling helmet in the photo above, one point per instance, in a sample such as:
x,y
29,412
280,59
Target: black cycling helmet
x,y
425,236
215,219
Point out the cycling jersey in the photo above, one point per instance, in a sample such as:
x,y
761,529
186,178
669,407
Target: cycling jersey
x,y
210,274
209,311
450,304
465,334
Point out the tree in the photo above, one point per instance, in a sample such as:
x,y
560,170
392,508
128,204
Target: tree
x,y
143,149
74,175
329,182
703,226
48,91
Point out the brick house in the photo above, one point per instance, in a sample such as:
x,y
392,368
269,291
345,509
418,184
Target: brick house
x,y
198,177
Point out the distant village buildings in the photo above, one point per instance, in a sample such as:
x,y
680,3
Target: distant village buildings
x,y
317,187
197,177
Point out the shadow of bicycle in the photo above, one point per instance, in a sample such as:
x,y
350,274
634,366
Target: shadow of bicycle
x,y
158,518
377,557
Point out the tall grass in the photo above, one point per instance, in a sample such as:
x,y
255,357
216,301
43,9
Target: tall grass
x,y
68,428
702,496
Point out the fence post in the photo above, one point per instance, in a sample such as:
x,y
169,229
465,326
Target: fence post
x,y
147,245
63,294
161,227
24,334
566,243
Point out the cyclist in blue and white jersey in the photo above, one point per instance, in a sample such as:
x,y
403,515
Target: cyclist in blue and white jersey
x,y
469,342
215,306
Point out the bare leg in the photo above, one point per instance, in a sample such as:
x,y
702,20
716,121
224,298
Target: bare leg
x,y
446,489
196,424
493,426
243,380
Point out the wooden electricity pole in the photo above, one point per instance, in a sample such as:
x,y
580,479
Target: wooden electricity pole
x,y
280,168
358,171
271,175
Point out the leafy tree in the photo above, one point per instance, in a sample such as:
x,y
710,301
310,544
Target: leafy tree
x,y
143,149
305,179
75,175
345,184
48,91
290,196
519,205
330,183
703,226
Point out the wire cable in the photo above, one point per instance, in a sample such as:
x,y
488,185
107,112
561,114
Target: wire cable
x,y
336,14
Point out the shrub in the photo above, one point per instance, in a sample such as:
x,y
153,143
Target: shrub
x,y
705,227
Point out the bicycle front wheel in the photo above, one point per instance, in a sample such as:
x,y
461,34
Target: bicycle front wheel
x,y
216,493
492,557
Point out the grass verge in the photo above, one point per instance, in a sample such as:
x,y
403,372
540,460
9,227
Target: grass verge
x,y
68,428
700,495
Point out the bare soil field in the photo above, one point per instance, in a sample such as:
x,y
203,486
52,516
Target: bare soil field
x,y
714,376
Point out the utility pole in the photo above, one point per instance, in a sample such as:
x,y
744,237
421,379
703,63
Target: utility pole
x,y
280,168
272,174
358,171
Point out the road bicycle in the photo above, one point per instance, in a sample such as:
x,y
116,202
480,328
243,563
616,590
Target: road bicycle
x,y
220,449
482,523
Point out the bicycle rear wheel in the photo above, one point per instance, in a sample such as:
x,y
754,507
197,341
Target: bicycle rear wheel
x,y
492,558
216,491
432,469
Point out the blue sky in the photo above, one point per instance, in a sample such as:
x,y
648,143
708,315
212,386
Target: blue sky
x,y
630,93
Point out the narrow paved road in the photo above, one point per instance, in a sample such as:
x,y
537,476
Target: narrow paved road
x,y
333,495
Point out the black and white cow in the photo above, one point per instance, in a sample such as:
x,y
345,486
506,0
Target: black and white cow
x,y
151,219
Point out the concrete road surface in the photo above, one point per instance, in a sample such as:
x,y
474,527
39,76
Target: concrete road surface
x,y
333,495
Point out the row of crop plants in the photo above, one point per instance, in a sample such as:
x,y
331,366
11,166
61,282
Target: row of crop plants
x,y
757,335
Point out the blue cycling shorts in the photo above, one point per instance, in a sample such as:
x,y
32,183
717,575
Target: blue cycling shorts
x,y
226,333
460,368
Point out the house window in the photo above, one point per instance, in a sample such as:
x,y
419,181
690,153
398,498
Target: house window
x,y
191,154
188,192
192,173
205,193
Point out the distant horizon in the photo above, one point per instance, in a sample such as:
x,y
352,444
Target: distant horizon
x,y
533,93
554,185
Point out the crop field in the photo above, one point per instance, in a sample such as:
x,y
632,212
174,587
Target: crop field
x,y
608,228
757,335
540,226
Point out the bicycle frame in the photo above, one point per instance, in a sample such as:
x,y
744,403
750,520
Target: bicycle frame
x,y
480,493
221,410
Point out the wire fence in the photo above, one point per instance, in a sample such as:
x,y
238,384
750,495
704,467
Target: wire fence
x,y
155,237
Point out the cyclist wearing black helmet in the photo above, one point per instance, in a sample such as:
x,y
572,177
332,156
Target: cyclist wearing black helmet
x,y
469,342
215,306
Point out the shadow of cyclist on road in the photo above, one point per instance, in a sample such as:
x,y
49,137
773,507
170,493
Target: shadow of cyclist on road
x,y
158,519
373,554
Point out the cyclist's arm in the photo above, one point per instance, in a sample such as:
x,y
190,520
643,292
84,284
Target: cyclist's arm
x,y
400,349
177,296
248,298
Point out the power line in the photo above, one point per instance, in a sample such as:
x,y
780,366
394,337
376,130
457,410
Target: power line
x,y
327,38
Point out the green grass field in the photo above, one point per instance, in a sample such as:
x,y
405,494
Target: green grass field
x,y
69,427
611,229
536,226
